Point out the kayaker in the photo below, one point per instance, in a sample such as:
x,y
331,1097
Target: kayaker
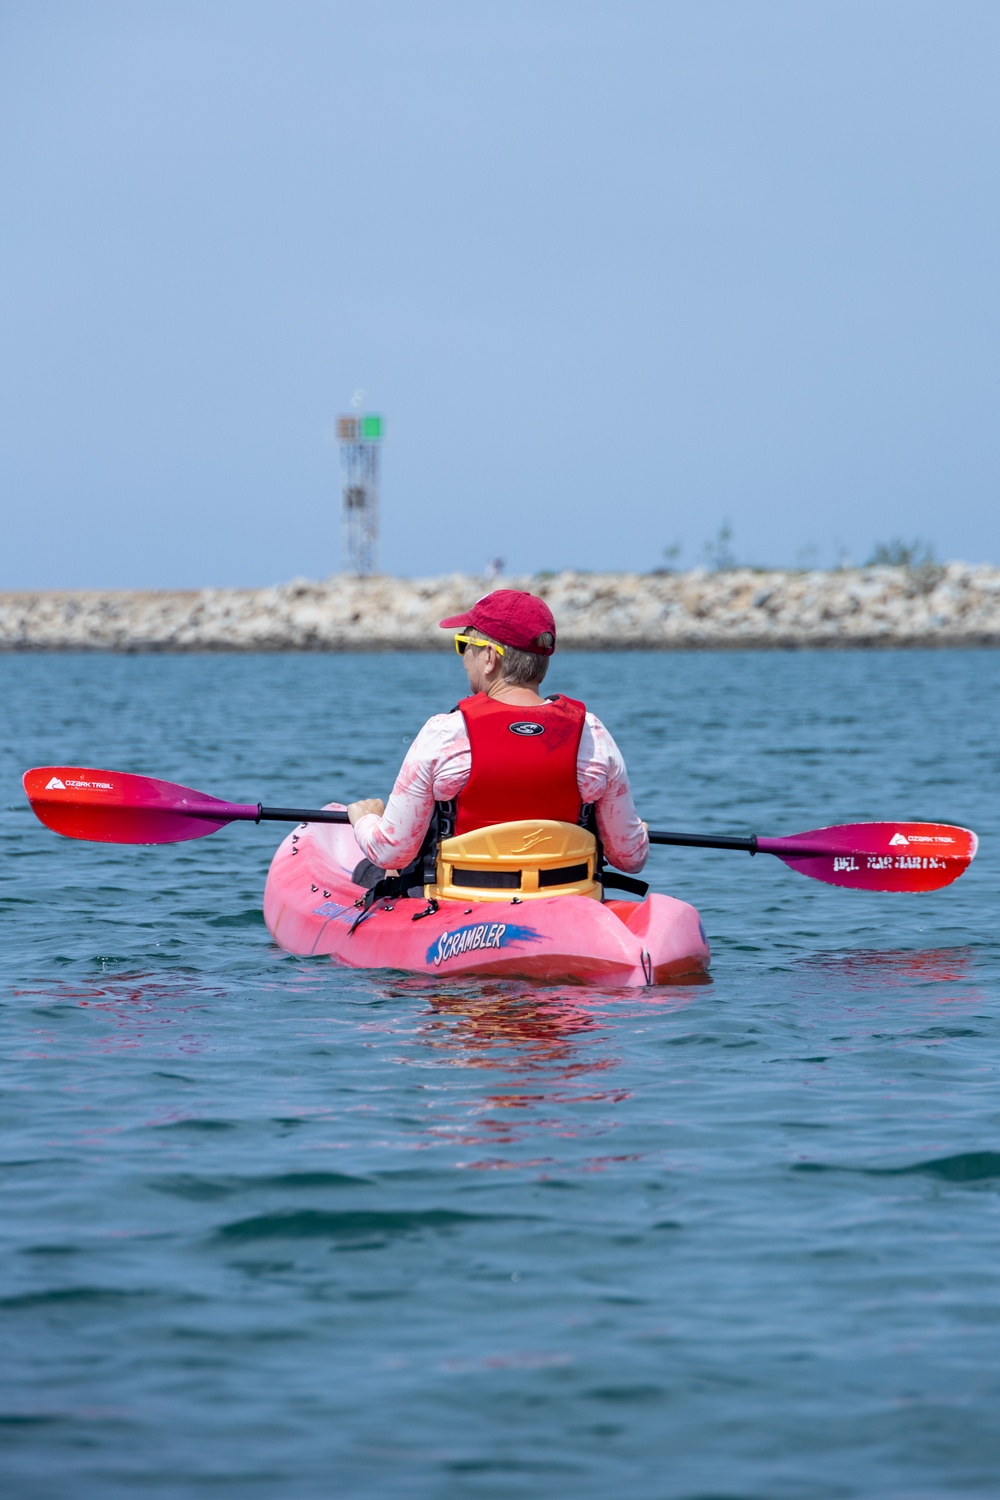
x,y
504,754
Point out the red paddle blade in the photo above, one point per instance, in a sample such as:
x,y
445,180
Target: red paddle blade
x,y
879,856
114,807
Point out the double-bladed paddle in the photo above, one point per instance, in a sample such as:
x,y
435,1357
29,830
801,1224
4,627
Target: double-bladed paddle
x,y
115,807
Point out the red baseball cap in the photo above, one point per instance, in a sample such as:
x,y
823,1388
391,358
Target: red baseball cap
x,y
512,617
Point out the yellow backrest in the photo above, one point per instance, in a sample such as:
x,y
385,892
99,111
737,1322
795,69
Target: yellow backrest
x,y
538,857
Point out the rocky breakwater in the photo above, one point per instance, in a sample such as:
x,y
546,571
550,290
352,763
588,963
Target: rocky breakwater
x,y
951,605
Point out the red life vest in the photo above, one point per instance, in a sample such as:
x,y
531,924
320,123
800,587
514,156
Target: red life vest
x,y
523,762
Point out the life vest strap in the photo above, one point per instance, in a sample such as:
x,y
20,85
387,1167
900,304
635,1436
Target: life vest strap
x,y
615,881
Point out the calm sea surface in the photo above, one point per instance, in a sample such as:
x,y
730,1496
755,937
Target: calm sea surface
x,y
274,1230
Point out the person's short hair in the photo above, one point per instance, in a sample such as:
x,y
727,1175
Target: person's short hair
x,y
519,668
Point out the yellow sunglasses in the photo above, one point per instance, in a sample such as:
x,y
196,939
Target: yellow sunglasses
x,y
461,641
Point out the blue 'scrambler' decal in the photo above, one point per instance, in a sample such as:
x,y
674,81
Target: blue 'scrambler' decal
x,y
478,935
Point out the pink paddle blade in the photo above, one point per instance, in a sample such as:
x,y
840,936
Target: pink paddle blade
x,y
114,807
879,856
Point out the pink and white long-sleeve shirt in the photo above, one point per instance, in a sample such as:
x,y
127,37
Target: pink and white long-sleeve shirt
x,y
438,764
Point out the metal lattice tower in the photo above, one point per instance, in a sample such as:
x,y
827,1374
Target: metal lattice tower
x,y
360,439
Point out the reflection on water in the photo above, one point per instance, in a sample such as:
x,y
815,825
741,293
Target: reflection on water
x,y
554,1047
125,995
504,1024
139,1007
877,970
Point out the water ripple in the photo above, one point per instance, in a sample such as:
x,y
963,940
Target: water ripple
x,y
275,1228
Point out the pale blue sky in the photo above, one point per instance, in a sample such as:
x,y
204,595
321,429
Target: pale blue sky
x,y
614,273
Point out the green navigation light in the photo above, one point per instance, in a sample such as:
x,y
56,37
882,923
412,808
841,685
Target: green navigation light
x,y
370,429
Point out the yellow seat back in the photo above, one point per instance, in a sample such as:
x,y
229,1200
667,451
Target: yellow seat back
x,y
538,857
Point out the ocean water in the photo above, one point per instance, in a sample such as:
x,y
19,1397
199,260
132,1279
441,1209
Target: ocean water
x,y
271,1229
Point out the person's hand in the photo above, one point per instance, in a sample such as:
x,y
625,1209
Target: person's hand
x,y
356,810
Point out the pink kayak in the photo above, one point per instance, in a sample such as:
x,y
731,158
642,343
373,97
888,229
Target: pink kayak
x,y
311,908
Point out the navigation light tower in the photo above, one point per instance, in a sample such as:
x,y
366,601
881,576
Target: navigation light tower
x,y
360,439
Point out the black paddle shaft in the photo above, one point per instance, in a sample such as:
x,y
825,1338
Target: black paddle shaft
x,y
683,840
301,815
704,841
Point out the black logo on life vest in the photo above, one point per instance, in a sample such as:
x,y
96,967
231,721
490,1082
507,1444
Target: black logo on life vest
x,y
525,726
